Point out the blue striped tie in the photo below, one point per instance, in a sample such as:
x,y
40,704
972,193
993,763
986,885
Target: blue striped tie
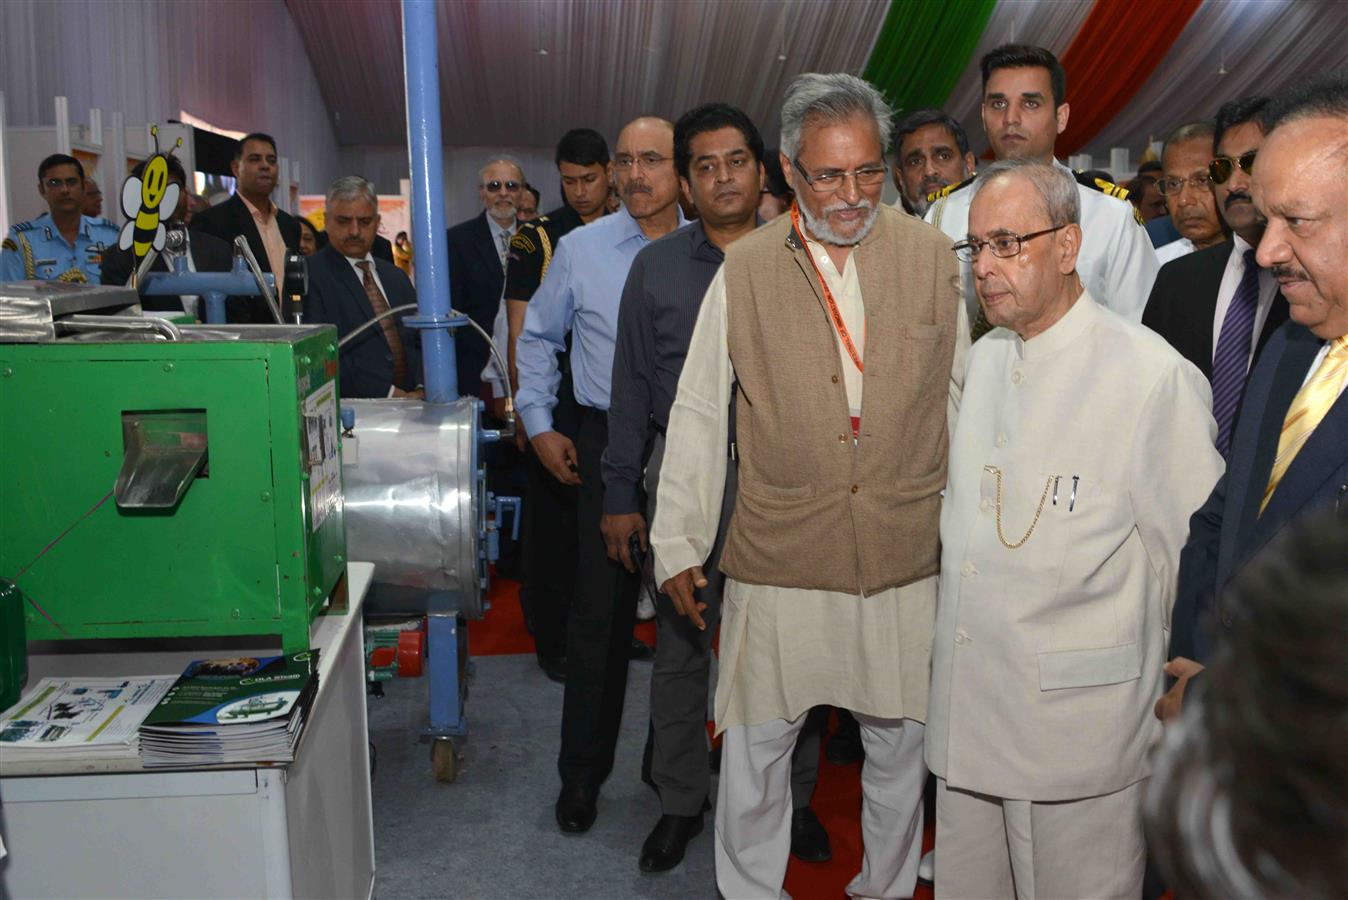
x,y
1231,362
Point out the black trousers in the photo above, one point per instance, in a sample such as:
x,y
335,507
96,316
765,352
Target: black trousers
x,y
549,539
599,632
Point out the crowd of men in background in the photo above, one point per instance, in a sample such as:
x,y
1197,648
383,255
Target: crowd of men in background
x,y
980,482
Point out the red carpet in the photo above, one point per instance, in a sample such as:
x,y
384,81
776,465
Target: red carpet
x,y
837,798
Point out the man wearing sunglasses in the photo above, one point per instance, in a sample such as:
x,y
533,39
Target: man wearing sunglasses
x,y
1024,110
477,258
61,244
1216,306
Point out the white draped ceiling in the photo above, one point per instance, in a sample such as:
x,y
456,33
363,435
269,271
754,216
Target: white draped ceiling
x,y
521,73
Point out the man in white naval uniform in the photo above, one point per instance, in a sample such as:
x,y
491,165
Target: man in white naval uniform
x,y
1024,111
1083,445
839,331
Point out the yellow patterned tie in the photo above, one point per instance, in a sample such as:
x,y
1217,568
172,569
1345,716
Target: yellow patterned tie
x,y
1308,408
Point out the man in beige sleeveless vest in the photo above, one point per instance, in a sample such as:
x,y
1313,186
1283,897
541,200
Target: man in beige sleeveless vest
x,y
832,553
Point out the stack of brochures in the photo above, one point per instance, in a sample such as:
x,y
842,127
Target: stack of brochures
x,y
238,711
79,718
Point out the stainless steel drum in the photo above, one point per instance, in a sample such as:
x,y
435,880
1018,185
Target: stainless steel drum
x,y
415,498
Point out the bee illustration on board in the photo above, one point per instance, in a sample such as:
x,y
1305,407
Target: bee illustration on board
x,y
142,199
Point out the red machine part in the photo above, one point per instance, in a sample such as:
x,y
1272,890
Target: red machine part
x,y
411,651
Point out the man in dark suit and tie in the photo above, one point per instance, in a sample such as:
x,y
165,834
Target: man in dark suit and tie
x,y
270,230
348,287
1217,306
477,254
204,254
1289,455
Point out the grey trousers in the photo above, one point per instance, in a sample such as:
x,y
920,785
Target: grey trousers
x,y
680,684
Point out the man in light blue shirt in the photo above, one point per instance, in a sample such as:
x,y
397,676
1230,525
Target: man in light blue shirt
x,y
580,294
61,244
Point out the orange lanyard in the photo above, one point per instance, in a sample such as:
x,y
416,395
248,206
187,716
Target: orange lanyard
x,y
832,304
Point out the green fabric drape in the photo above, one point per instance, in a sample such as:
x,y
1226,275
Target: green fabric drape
x,y
924,47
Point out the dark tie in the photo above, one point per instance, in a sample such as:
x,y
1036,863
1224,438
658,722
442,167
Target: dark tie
x,y
380,305
1231,361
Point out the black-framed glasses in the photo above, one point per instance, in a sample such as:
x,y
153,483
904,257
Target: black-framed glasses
x,y
828,182
1004,246
71,182
494,186
1222,167
645,161
1171,187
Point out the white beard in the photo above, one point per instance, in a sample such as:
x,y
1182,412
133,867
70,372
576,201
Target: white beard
x,y
821,230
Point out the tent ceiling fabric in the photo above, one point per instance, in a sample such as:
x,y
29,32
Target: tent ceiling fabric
x,y
606,62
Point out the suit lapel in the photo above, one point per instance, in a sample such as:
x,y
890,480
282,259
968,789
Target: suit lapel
x,y
1277,314
1287,378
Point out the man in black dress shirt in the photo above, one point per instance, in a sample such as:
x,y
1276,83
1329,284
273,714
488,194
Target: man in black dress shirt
x,y
718,153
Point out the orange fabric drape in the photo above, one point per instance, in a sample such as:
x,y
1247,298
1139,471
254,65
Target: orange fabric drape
x,y
1118,47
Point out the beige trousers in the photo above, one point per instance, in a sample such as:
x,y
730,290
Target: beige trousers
x,y
991,847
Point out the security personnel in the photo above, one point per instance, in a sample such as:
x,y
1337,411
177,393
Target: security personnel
x,y
1023,113
61,244
549,544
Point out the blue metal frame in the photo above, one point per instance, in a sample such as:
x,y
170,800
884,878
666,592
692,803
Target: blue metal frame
x,y
213,287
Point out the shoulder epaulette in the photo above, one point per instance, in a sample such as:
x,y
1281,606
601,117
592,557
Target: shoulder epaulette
x,y
26,226
950,189
8,244
1099,184
523,239
105,222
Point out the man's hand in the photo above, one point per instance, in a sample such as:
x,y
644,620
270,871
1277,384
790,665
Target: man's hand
x,y
680,589
498,407
617,529
521,436
1169,706
558,455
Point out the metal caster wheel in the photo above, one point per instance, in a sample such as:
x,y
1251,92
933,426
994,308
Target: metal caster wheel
x,y
444,760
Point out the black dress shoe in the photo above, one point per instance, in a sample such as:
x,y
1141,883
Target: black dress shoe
x,y
809,840
576,810
554,667
640,651
667,842
844,747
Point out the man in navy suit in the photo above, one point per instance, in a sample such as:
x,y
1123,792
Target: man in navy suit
x,y
348,286
1289,455
477,254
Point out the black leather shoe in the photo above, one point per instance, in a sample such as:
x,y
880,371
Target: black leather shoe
x,y
576,810
844,747
809,840
640,651
554,667
667,842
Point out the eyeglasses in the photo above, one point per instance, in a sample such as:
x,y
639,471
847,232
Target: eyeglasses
x,y
828,182
1004,246
1171,187
1222,167
494,186
645,161
71,182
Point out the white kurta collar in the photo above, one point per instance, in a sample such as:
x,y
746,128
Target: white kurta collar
x,y
1063,333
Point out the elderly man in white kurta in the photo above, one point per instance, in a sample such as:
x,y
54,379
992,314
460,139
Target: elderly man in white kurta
x,y
1083,445
838,329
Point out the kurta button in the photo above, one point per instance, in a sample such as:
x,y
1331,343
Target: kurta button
x,y
1015,377
855,488
1001,440
967,570
959,638
985,505
835,379
842,438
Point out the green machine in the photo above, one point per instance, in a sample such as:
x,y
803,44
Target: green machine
x,y
165,481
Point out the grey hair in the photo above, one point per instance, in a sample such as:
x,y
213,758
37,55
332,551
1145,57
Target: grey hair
x,y
508,160
1056,187
834,97
1204,128
349,187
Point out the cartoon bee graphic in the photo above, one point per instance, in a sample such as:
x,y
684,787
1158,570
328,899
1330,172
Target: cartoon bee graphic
x,y
142,199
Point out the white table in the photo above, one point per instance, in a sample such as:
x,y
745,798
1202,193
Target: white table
x,y
108,828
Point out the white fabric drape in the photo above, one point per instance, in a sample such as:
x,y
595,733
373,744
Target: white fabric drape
x,y
1045,23
605,62
1265,46
238,65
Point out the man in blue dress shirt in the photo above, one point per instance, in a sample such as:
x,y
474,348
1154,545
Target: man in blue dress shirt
x,y
581,294
61,244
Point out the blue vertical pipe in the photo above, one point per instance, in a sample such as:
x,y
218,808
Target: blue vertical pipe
x,y
421,66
